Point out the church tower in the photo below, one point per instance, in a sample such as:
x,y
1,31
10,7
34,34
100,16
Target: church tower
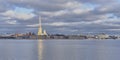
x,y
40,31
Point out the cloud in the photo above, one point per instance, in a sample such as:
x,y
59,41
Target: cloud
x,y
33,25
11,22
61,16
22,16
59,24
72,4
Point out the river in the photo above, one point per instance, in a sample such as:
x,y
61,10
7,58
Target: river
x,y
59,49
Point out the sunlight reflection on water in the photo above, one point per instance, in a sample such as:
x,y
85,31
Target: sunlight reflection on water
x,y
59,49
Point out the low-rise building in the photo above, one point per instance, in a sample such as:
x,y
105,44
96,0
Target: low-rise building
x,y
102,36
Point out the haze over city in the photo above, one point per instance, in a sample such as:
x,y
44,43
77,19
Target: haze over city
x,y
60,16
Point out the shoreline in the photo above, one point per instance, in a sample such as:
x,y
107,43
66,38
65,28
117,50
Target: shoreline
x,y
59,39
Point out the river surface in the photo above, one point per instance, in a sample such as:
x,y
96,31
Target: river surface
x,y
59,49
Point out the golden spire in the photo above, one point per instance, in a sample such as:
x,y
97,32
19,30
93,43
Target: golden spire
x,y
40,31
40,27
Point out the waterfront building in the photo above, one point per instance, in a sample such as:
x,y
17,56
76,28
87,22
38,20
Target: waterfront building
x,y
42,34
90,36
40,30
76,37
102,36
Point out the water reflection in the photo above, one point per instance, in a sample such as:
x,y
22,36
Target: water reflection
x,y
59,49
40,49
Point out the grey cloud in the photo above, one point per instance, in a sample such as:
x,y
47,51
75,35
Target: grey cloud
x,y
94,20
37,4
98,1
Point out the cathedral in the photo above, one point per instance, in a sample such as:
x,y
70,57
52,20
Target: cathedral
x,y
40,30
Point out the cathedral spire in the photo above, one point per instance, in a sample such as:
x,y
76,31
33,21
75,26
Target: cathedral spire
x,y
40,27
40,30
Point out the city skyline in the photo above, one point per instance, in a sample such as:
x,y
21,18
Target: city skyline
x,y
60,16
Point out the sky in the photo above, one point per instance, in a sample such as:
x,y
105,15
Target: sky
x,y
60,16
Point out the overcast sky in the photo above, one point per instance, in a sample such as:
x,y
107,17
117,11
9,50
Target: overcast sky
x,y
60,16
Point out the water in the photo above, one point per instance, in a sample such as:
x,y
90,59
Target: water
x,y
60,50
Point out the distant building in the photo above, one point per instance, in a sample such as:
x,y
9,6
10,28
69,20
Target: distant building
x,y
76,37
102,36
90,36
41,33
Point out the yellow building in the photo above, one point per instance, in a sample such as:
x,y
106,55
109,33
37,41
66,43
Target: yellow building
x,y
40,30
102,36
